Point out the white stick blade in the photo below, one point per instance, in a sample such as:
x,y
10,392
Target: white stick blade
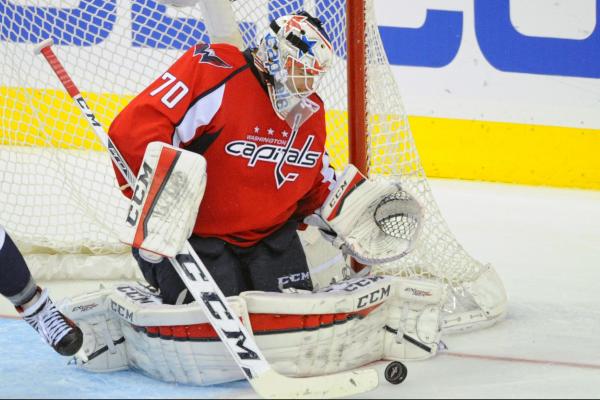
x,y
272,385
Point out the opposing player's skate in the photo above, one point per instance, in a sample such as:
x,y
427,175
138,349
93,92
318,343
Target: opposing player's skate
x,y
57,330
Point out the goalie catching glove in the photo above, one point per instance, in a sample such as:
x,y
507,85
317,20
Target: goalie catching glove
x,y
374,222
165,202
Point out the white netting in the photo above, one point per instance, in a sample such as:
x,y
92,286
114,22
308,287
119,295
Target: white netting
x,y
58,191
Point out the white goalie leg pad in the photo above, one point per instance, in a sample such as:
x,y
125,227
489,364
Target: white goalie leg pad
x,y
414,323
166,198
301,334
344,326
374,222
336,329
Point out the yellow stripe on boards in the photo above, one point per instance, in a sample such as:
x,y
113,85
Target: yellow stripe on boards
x,y
49,118
508,152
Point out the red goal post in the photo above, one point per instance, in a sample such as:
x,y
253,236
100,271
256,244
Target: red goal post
x,y
357,90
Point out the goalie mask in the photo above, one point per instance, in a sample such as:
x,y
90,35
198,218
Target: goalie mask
x,y
296,53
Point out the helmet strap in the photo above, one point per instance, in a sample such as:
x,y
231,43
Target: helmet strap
x,y
291,37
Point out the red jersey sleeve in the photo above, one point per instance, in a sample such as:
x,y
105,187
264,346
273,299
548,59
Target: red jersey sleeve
x,y
154,114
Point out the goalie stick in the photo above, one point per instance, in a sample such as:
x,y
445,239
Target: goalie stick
x,y
264,379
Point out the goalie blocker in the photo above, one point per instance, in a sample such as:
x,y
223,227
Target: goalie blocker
x,y
341,327
374,222
165,202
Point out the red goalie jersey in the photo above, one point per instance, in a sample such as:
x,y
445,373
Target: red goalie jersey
x,y
214,102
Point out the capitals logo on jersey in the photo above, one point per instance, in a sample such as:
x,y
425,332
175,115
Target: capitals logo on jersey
x,y
279,155
208,56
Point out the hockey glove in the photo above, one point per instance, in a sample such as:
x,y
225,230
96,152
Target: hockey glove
x,y
374,222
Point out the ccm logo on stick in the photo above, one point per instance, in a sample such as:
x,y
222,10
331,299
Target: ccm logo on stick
x,y
139,194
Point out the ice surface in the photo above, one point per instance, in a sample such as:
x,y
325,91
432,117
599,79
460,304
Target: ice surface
x,y
544,243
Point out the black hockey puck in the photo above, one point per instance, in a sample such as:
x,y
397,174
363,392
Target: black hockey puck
x,y
396,372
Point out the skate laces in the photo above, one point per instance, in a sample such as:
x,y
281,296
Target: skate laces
x,y
45,318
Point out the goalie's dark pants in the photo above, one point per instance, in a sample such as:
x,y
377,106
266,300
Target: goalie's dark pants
x,y
276,262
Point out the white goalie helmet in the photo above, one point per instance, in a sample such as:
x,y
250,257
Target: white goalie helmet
x,y
296,52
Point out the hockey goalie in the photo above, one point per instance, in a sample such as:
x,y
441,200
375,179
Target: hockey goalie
x,y
229,146
302,332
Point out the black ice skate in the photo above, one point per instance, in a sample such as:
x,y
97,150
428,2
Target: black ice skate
x,y
57,330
